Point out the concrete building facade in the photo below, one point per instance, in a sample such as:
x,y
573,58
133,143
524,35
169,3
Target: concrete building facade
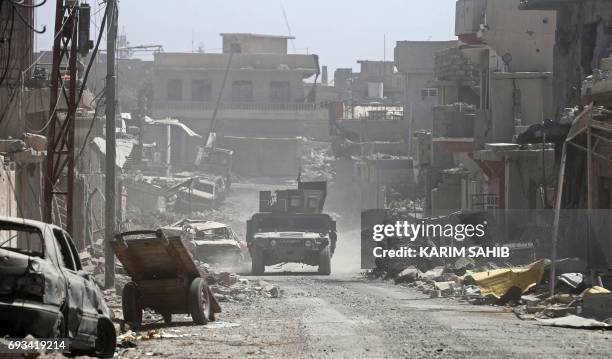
x,y
264,91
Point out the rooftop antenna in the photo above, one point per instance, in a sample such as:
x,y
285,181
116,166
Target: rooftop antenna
x,y
288,26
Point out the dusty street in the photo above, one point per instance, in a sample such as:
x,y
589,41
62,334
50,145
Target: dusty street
x,y
347,315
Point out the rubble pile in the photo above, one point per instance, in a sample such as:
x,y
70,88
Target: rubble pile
x,y
230,287
317,162
576,303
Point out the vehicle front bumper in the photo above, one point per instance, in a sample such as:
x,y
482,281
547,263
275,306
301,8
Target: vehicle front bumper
x,y
20,317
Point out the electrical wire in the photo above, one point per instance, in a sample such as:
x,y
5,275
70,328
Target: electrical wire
x,y
25,21
10,46
31,6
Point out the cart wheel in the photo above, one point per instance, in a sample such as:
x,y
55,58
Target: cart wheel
x,y
132,312
324,261
199,302
258,266
167,317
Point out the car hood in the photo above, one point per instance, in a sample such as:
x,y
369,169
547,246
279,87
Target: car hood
x,y
216,243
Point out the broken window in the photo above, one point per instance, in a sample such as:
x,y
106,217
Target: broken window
x,y
21,239
242,91
280,92
175,90
201,90
65,253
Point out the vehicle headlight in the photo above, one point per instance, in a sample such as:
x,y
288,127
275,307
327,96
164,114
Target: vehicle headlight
x,y
308,243
273,242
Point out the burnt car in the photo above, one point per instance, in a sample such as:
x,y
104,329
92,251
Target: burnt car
x,y
45,292
292,228
211,242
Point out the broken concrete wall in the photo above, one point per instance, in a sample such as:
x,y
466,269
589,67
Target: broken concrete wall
x,y
531,47
519,99
264,157
449,195
582,40
380,179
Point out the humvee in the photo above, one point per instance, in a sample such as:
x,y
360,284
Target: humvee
x,y
290,227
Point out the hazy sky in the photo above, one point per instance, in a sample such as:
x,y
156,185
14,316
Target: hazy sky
x,y
339,31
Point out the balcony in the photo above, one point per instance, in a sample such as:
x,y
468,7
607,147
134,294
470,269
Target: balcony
x,y
240,110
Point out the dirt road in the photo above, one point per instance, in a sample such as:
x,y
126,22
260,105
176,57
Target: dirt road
x,y
346,316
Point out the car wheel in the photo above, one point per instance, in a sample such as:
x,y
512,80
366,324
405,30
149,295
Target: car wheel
x,y
167,317
132,312
258,266
106,339
199,301
325,261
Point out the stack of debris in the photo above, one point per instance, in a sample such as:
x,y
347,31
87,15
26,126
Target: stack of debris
x,y
317,162
229,287
576,303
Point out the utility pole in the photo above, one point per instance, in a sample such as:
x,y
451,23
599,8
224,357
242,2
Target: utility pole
x,y
62,113
110,211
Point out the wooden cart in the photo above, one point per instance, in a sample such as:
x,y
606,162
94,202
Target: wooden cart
x,y
164,278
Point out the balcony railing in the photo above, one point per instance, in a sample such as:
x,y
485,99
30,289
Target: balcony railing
x,y
236,106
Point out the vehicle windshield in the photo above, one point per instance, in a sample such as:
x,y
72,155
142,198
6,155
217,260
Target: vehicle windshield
x,y
214,233
22,239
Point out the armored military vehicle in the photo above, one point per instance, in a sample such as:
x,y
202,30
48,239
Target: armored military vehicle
x,y
290,227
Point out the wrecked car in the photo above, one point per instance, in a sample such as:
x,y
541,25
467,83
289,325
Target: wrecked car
x,y
45,292
164,278
291,228
211,242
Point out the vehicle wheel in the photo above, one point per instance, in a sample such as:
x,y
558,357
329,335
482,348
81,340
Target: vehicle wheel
x,y
258,266
199,302
324,261
167,317
106,339
132,312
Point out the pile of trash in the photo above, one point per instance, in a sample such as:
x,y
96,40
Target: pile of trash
x,y
576,303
